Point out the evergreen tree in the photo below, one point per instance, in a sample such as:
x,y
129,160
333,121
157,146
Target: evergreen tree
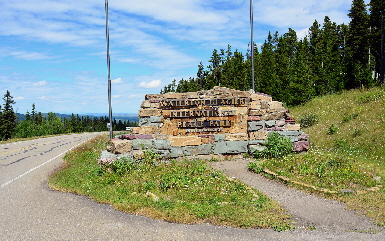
x,y
193,85
343,31
201,75
315,35
233,71
8,118
331,80
332,58
285,58
376,22
27,115
214,68
301,88
268,76
33,113
39,118
357,66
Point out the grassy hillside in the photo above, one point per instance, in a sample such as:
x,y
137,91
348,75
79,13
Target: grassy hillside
x,y
352,122
350,127
346,160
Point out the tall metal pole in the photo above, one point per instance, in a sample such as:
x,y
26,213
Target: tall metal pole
x,y
252,43
108,70
382,44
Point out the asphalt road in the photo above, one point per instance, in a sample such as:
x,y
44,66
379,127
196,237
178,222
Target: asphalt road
x,y
29,210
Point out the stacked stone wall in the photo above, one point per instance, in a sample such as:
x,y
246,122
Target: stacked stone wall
x,y
220,121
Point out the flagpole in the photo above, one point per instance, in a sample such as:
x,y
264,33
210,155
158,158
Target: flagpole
x,y
252,43
108,70
382,45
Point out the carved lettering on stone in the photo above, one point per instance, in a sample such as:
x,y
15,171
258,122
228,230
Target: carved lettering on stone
x,y
219,121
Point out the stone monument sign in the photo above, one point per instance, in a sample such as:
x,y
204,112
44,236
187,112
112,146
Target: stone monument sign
x,y
220,121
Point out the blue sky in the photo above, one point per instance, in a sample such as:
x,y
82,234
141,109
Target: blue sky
x,y
53,52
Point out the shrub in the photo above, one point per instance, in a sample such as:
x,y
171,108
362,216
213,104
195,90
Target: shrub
x,y
309,119
276,146
348,118
113,165
332,130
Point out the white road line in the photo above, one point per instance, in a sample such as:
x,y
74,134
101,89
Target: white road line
x,y
5,184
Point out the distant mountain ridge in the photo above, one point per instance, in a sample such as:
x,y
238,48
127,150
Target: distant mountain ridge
x,y
118,116
113,114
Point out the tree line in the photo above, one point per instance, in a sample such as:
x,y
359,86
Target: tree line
x,y
35,124
329,59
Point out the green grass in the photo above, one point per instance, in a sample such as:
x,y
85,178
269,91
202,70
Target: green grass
x,y
176,191
352,123
347,135
322,170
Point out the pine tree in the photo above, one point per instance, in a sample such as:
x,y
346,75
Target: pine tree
x,y
233,71
39,118
27,116
285,58
331,53
201,75
8,118
315,35
343,31
213,78
301,88
33,112
376,22
357,69
332,58
268,76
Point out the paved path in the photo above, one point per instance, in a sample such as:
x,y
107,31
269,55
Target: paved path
x,y
29,210
307,210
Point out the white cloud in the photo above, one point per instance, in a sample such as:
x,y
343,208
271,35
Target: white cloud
x,y
28,55
301,33
40,83
19,98
116,81
186,12
116,96
150,41
128,60
152,84
24,55
298,14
